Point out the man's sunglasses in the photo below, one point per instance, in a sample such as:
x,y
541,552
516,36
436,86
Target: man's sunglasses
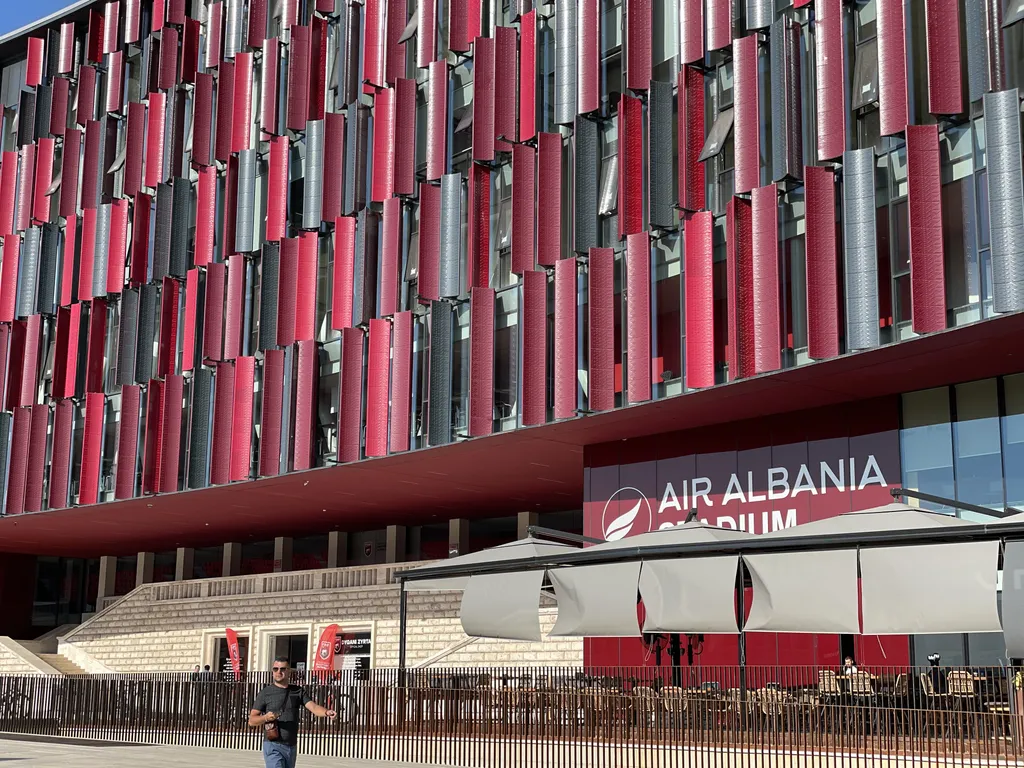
x,y
280,669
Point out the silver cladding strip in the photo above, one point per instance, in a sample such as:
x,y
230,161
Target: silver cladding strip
x,y
269,269
659,116
787,144
6,426
126,339
312,190
760,13
364,273
451,235
861,260
46,294
200,417
162,234
245,213
1005,199
586,184
181,214
565,62
101,252
977,49
232,28
29,278
146,333
439,431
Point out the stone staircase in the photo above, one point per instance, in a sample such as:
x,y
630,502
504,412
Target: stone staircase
x,y
61,663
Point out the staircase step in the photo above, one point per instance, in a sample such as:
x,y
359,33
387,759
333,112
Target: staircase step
x,y
62,664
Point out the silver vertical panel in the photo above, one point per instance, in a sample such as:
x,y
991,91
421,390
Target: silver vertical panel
x,y
181,214
586,184
662,211
450,257
101,251
565,62
787,140
28,279
6,423
269,272
977,49
162,232
859,238
127,336
200,418
357,127
313,183
760,13
364,273
232,28
1005,199
146,332
245,212
49,255
439,404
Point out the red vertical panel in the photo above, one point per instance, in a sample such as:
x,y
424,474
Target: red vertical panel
x,y
588,56
298,79
892,67
8,190
155,140
631,166
565,339
91,164
350,415
287,286
97,344
398,17
732,329
214,34
506,87
305,404
344,255
378,375
528,76
638,317
822,282
535,352
747,127
171,434
828,26
202,131
9,277
691,139
430,241
268,85
188,344
234,307
36,471
44,175
426,34
74,334
549,198
167,75
67,280
225,111
128,442
223,416
333,173
305,287
383,181
277,189
437,119
390,257
401,380
691,46
481,361
168,344
241,420
66,56
5,340
924,193
94,37
85,260
317,67
405,137
483,99
176,12
30,365
700,305
190,51
26,169
524,198
206,214
140,239
59,105
117,246
479,250
92,449
156,20
68,173
17,472
271,412
115,82
153,440
61,348
639,30
601,291
942,29
230,206
719,24
373,42
213,322
743,286
131,20
135,138
767,336
458,28
14,362
257,28
60,461
241,121
35,61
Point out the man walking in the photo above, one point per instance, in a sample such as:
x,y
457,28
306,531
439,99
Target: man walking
x,y
277,710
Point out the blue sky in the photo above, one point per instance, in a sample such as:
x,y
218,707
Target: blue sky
x,y
17,13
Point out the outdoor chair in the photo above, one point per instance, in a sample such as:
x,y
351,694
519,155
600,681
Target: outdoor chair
x,y
830,696
963,701
771,702
863,698
935,705
675,703
646,705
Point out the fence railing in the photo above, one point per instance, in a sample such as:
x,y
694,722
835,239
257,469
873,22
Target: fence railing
x,y
558,717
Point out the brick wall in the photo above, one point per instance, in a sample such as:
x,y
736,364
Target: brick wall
x,y
12,664
140,634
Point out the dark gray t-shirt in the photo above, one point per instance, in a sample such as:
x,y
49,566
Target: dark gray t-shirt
x,y
288,704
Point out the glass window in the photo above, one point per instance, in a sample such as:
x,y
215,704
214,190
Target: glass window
x,y
865,75
720,132
979,472
926,445
1013,439
164,565
506,360
207,562
667,311
949,647
309,552
963,278
866,19
257,557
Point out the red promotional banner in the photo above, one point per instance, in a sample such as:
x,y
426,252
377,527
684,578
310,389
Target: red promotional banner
x,y
324,661
236,659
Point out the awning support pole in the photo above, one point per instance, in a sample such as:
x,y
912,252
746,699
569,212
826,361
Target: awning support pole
x,y
742,601
403,620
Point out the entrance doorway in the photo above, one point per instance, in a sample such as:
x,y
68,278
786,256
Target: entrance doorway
x,y
223,658
294,647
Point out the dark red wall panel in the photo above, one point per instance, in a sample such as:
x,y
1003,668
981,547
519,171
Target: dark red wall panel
x,y
9,278
394,61
391,257
601,292
167,74
171,433
17,470
190,51
154,142
36,470
524,198
401,380
26,168
767,340
719,23
631,165
378,375
168,346
747,126
691,46
202,130
942,28
86,254
383,180
223,414
506,76
638,317
224,131
691,138
549,198
271,412
822,280
437,119
60,458
344,254
91,164
528,76
927,262
117,249
188,343
44,175
479,240
305,287
68,173
67,277
213,322
297,108
430,241
306,370
241,420
565,339
333,176
14,363
483,99
405,137
97,343
115,83
86,95
74,336
374,13
350,413
241,119
699,298
62,345
269,75
741,279
234,307
8,190
287,286
588,56
277,190
206,215
34,63
639,31
317,67
59,105
481,362
134,144
535,348
92,449
153,445
30,364
140,238
828,25
892,67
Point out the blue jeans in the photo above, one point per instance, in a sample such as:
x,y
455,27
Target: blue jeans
x,y
278,755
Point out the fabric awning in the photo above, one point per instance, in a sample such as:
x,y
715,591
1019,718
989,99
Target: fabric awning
x,y
935,589
804,592
1013,598
516,550
503,605
596,600
690,595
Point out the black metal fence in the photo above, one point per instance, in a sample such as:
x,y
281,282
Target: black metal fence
x,y
562,716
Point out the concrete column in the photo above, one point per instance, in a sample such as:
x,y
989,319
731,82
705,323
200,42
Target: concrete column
x,y
144,568
184,564
526,519
337,549
458,537
232,559
396,544
282,554
108,574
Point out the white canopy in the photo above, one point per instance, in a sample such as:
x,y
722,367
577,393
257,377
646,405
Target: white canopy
x,y
522,549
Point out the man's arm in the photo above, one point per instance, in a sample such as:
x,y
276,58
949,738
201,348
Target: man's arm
x,y
319,711
257,718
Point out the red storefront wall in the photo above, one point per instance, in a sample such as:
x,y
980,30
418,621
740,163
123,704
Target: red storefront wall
x,y
759,476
